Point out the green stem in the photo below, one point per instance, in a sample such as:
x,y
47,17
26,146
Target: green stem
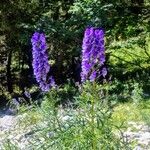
x,y
92,123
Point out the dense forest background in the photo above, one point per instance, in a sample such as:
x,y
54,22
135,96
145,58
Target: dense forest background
x,y
127,29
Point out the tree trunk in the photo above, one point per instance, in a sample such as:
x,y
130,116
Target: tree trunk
x,y
8,73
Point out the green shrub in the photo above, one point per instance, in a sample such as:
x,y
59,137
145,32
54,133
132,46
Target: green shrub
x,y
89,126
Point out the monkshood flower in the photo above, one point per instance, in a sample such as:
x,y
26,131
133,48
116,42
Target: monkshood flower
x,y
93,55
40,63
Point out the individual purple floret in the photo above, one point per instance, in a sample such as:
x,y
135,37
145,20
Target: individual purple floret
x,y
40,63
104,72
93,55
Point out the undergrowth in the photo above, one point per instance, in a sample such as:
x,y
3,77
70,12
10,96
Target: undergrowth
x,y
93,120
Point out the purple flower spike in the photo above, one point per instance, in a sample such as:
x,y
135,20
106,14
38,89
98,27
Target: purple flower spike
x,y
40,63
93,55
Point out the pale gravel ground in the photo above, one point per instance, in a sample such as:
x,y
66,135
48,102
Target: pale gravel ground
x,y
139,132
136,132
10,130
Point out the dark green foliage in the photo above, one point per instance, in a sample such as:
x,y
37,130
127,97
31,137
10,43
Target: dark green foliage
x,y
126,24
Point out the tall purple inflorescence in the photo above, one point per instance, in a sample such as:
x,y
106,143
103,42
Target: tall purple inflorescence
x,y
93,55
40,63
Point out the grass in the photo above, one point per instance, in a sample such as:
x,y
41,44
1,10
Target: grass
x,y
71,131
122,114
126,112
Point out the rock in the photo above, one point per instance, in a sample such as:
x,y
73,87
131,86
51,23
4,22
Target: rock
x,y
11,111
50,134
141,135
138,148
